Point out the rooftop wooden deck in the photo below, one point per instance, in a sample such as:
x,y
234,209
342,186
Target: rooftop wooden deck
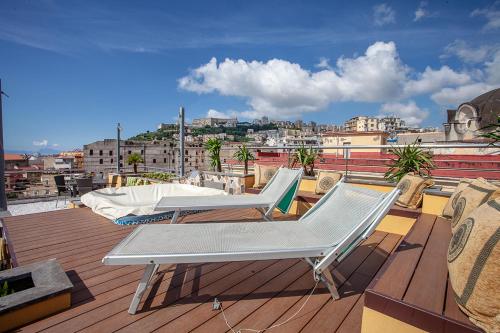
x,y
254,294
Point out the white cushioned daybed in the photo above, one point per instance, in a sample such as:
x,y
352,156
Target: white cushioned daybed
x,y
135,204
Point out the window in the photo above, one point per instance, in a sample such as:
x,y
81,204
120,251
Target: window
x,y
154,160
121,165
121,157
165,151
130,152
110,153
185,160
111,161
142,152
101,161
100,152
173,160
91,152
165,160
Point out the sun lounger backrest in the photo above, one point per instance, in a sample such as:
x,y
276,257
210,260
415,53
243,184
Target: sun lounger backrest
x,y
282,180
341,211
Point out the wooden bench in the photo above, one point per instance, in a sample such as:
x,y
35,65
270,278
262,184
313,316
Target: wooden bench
x,y
412,291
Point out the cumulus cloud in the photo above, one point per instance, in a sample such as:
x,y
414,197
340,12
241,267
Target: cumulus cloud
x,y
468,53
281,89
492,15
410,112
383,14
455,96
222,115
324,63
41,143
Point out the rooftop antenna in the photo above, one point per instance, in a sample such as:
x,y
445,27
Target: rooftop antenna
x,y
181,141
3,199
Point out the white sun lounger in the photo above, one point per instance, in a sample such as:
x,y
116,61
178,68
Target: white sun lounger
x,y
279,193
339,221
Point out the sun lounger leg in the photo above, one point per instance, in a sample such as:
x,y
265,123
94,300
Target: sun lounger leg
x,y
141,288
327,279
175,217
264,214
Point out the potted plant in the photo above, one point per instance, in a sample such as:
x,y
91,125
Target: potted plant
x,y
213,145
135,159
244,155
410,158
306,158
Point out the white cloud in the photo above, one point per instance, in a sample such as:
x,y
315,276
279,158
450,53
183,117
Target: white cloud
x,y
41,143
222,115
55,145
458,95
383,14
281,89
324,63
410,112
492,69
422,12
492,15
469,53
431,80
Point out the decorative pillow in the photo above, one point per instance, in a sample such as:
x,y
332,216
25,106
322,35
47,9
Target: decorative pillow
x,y
473,196
326,180
473,265
266,173
450,205
412,187
256,172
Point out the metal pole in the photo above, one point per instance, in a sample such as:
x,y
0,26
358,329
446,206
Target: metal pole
x,y
118,128
3,199
181,141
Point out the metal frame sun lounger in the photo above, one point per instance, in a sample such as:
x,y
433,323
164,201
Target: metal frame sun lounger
x,y
279,192
328,232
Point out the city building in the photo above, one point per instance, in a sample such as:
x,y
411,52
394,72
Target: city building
x,y
420,137
100,156
361,124
354,138
215,122
15,161
466,123
391,124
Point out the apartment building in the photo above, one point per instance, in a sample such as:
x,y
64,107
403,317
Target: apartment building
x,y
215,122
366,138
100,156
391,124
361,124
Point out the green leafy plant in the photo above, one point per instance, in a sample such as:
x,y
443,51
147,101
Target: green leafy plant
x,y
5,290
410,158
492,132
164,176
135,159
213,146
244,155
306,158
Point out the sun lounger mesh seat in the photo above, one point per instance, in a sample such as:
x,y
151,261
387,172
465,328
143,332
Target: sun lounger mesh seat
x,y
278,193
344,217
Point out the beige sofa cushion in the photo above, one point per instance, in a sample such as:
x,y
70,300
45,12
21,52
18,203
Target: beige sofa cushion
x,y
473,196
473,265
412,187
326,180
450,205
264,174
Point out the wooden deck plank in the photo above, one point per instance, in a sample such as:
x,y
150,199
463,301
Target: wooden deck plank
x,y
402,265
352,322
236,304
427,287
321,296
451,308
188,296
180,298
333,312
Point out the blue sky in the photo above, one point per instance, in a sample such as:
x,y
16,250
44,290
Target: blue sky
x,y
73,69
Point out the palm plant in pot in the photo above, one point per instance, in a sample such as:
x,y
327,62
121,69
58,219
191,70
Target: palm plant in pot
x,y
213,146
306,158
135,159
411,158
244,155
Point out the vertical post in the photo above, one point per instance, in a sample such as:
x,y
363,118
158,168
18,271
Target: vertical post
x,y
3,199
144,157
181,141
118,128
